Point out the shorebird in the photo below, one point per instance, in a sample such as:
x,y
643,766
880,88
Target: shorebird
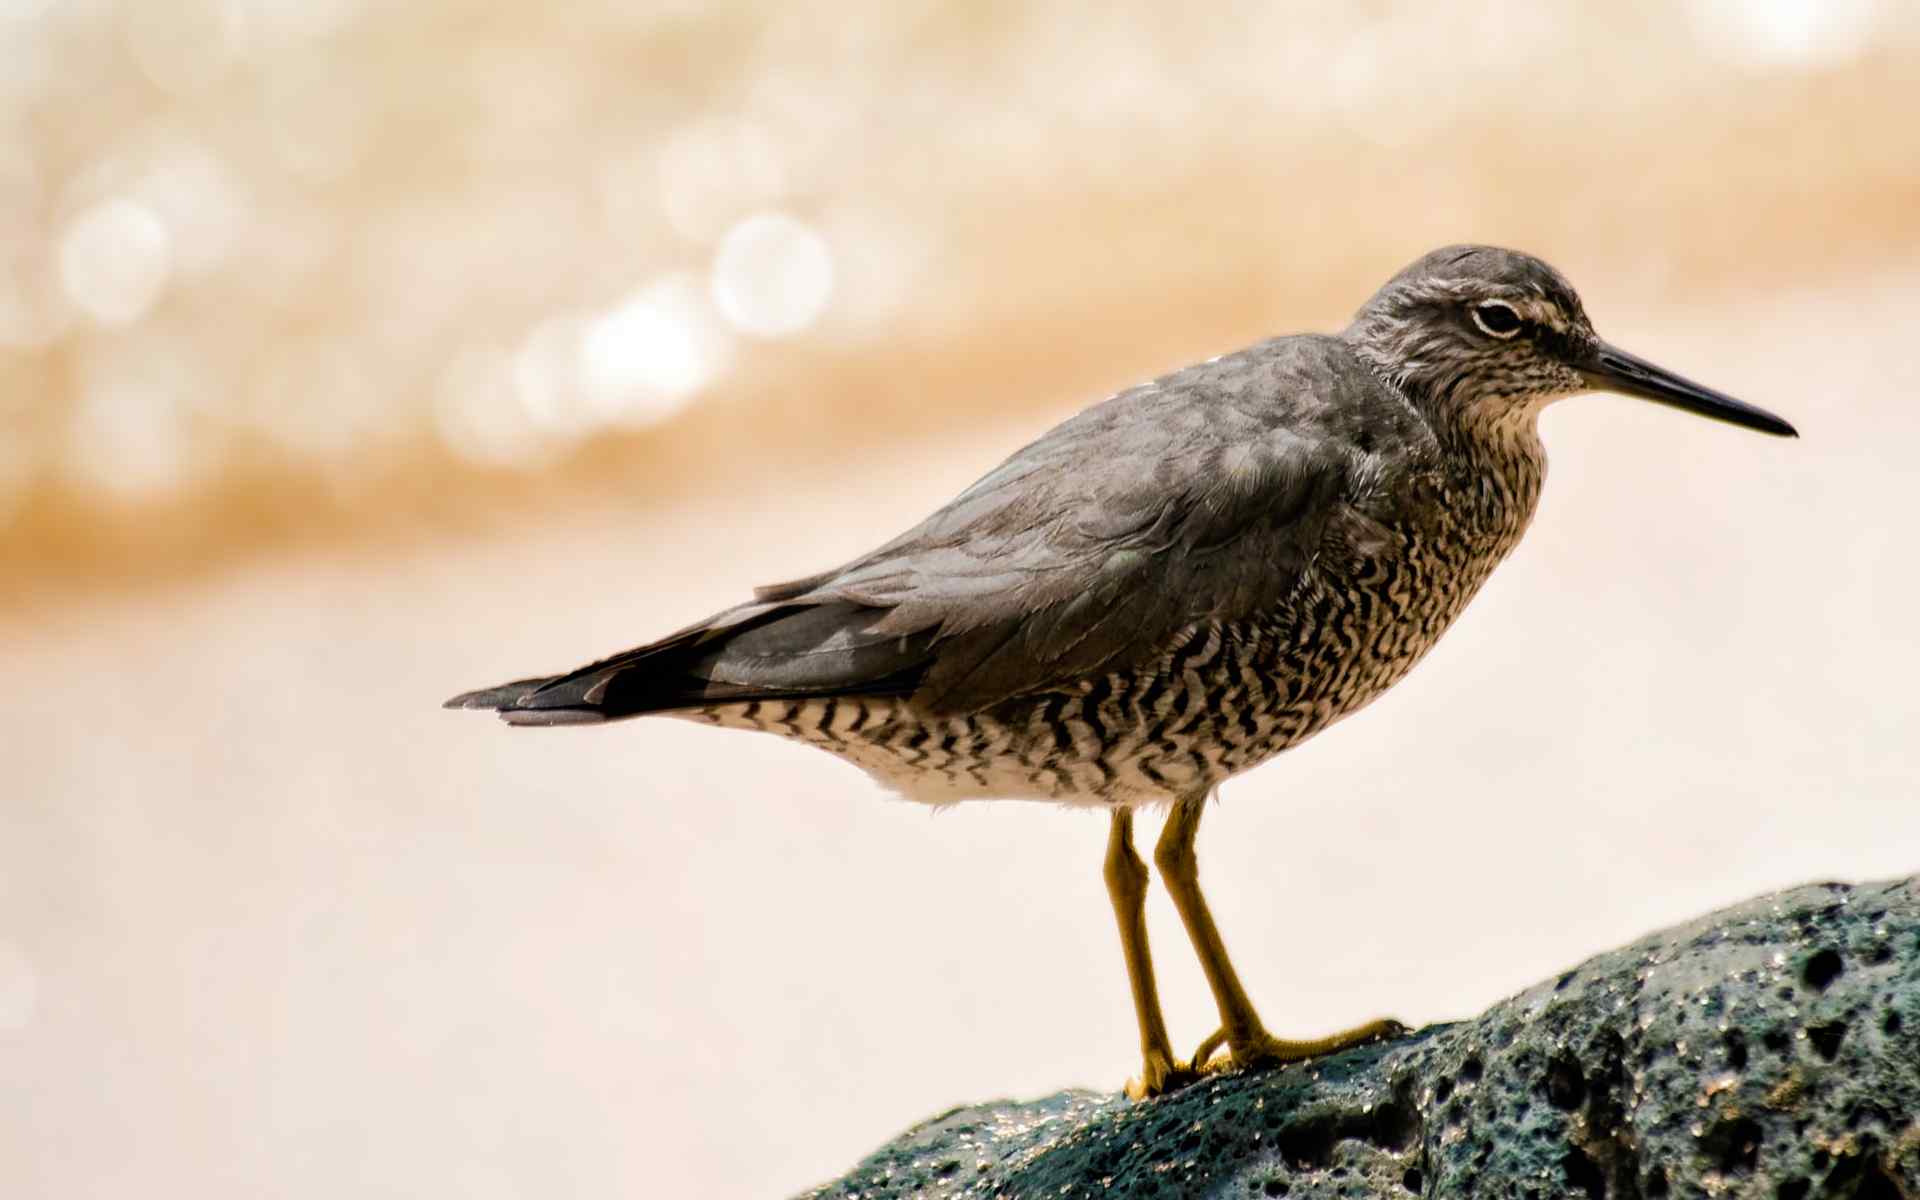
x,y
1168,589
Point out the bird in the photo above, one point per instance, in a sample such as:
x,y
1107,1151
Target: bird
x,y
1168,589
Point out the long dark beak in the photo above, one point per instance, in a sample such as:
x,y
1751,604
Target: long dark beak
x,y
1614,370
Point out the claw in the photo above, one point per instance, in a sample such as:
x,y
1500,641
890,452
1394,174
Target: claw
x,y
1158,1076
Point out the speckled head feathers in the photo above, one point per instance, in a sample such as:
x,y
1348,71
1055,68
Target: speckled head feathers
x,y
1461,274
1478,331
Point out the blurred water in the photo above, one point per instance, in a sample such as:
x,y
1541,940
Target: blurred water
x,y
280,270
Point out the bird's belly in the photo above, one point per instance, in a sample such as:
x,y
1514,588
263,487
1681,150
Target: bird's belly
x,y
1229,697
924,756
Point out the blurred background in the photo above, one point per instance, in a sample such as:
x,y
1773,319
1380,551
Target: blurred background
x,y
355,354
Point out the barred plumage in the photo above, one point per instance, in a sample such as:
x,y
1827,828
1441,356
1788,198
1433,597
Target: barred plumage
x,y
1224,696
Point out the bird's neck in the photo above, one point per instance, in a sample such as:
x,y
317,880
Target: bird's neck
x,y
1487,442
1497,467
1493,463
1500,431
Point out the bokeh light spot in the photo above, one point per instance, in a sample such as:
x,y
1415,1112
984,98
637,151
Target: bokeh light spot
x,y
773,275
114,259
544,370
1774,33
645,359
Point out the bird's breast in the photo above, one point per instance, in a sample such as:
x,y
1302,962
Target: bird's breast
x,y
1378,600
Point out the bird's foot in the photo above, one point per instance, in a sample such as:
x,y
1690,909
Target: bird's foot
x,y
1159,1074
1262,1049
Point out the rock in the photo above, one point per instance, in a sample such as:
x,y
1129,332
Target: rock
x,y
1769,1050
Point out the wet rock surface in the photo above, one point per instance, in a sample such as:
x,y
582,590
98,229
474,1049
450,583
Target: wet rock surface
x,y
1769,1050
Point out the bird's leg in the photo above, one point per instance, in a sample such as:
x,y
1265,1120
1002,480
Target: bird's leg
x,y
1240,1027
1127,887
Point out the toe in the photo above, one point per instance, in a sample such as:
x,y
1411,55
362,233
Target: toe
x,y
1158,1076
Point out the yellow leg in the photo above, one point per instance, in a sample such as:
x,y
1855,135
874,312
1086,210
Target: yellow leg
x,y
1240,1027
1127,887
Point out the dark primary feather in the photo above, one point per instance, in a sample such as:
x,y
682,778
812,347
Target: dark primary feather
x,y
1203,495
750,652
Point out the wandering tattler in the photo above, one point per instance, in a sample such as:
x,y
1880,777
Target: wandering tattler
x,y
1169,588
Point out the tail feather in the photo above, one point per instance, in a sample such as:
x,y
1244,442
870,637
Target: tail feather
x,y
553,716
517,704
756,652
505,696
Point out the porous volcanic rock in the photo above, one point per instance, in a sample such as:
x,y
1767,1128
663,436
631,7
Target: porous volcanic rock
x,y
1769,1050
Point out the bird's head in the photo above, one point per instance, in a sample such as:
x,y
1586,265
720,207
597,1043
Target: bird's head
x,y
1488,336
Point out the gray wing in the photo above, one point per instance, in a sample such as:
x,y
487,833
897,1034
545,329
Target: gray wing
x,y
1204,495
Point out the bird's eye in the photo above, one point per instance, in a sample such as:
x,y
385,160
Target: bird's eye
x,y
1496,319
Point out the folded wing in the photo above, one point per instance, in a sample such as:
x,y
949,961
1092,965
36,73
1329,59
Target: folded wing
x,y
1204,496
